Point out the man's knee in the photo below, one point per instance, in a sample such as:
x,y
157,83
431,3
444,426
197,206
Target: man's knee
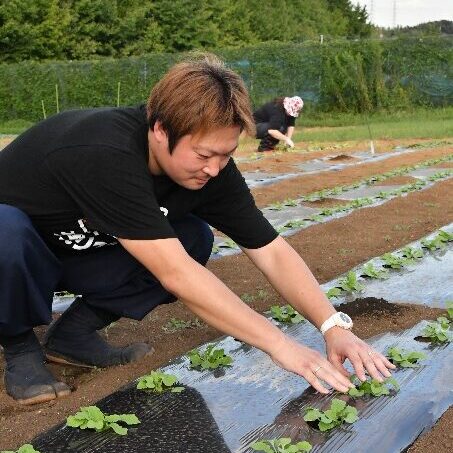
x,y
196,237
15,231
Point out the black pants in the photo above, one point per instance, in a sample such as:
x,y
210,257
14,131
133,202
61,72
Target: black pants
x,y
108,278
267,141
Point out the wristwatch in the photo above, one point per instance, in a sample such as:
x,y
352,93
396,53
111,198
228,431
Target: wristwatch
x,y
339,319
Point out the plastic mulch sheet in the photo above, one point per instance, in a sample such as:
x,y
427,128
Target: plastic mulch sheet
x,y
227,410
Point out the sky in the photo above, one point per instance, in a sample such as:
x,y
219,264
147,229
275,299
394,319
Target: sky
x,y
408,12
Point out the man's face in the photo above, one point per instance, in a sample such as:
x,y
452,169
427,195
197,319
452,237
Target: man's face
x,y
196,158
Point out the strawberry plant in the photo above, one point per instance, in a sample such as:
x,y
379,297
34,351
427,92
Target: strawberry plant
x,y
27,448
286,314
210,359
350,283
404,359
92,417
370,271
338,413
438,242
372,387
159,382
282,445
228,244
438,331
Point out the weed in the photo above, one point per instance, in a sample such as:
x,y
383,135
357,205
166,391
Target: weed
x,y
286,314
179,324
333,292
338,413
92,417
159,382
404,359
282,445
210,359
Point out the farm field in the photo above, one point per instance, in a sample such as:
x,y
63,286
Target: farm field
x,y
330,246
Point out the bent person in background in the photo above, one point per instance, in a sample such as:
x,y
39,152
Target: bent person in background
x,y
275,121
114,204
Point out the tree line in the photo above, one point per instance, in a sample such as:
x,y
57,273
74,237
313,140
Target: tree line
x,y
89,29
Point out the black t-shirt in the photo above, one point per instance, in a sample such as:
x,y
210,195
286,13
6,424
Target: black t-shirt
x,y
275,115
82,176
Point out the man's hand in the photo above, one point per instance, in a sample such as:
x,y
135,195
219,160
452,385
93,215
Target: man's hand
x,y
289,142
309,364
342,344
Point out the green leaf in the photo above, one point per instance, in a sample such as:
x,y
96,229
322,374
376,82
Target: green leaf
x,y
338,405
118,429
312,415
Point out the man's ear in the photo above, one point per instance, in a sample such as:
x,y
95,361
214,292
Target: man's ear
x,y
159,132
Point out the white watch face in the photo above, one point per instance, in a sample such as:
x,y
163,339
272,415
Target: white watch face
x,y
345,318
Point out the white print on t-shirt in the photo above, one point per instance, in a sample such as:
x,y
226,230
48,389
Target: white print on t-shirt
x,y
164,210
84,240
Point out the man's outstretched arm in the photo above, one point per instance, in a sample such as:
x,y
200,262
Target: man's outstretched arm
x,y
206,296
290,276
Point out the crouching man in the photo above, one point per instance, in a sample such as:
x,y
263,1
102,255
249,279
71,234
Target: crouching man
x,y
114,204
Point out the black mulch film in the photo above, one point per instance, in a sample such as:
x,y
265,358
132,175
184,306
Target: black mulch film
x,y
227,410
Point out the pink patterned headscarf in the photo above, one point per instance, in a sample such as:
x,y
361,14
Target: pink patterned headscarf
x,y
293,105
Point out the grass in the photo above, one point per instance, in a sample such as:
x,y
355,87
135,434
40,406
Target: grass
x,y
422,123
337,127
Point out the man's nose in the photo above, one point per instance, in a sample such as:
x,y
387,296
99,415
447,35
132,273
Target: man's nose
x,y
213,166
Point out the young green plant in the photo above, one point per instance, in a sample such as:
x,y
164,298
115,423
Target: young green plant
x,y
372,387
338,413
210,359
438,331
404,359
27,448
286,314
282,445
159,382
91,417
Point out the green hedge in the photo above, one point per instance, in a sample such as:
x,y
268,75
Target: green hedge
x,y
352,76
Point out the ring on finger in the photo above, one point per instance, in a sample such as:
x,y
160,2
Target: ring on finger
x,y
317,369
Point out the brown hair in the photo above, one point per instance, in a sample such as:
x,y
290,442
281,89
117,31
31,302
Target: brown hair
x,y
198,95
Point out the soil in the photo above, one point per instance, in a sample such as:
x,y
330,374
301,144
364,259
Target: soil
x,y
329,249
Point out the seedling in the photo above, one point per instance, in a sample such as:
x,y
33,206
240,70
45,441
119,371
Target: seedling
x,y
438,242
282,445
394,261
210,359
228,244
286,314
179,324
333,292
338,413
27,448
159,382
350,283
412,253
370,271
404,359
92,417
294,224
372,387
449,305
438,331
